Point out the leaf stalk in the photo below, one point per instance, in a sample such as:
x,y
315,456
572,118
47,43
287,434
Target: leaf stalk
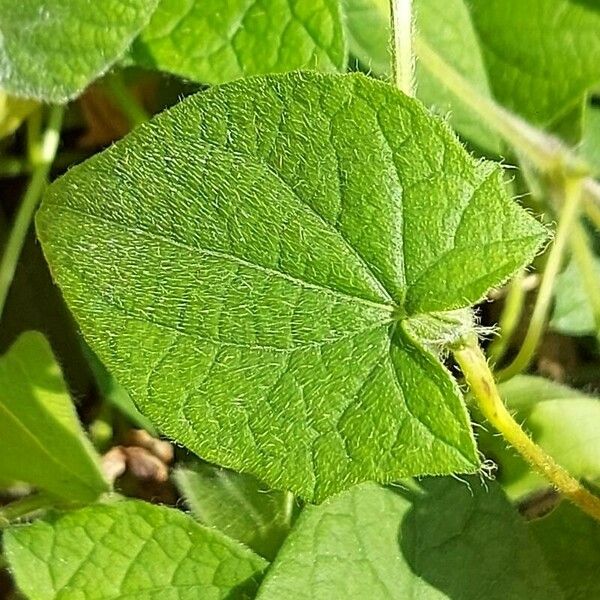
x,y
481,382
402,45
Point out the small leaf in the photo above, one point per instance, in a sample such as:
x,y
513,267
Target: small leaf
x,y
570,542
452,37
197,253
41,440
573,313
212,41
128,550
563,421
448,541
52,49
238,505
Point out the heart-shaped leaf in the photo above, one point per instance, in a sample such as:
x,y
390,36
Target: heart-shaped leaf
x,y
248,265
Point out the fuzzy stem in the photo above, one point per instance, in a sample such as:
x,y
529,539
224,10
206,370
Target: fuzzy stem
x,y
42,152
571,195
483,387
402,46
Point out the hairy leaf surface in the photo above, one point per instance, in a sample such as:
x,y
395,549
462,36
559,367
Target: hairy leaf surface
x,y
212,41
450,540
52,49
129,550
41,440
244,266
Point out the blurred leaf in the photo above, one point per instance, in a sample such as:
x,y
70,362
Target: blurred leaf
x,y
13,111
52,49
542,56
41,440
212,41
570,543
573,314
563,421
590,143
129,550
239,505
450,541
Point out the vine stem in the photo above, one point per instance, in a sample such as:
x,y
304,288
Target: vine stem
x,y
42,152
571,192
402,45
479,377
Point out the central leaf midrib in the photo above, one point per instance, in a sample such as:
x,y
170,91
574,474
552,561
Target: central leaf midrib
x,y
390,308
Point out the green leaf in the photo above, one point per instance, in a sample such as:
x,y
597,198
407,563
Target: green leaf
x,y
13,111
563,421
212,41
129,550
52,49
542,56
573,313
570,542
450,540
41,440
245,265
452,37
111,391
238,505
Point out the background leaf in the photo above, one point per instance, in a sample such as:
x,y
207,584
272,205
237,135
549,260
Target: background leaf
x,y
52,49
450,540
238,505
212,41
542,56
573,313
196,253
41,440
128,550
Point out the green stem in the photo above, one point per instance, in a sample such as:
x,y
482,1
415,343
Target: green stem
x,y
402,47
43,152
20,509
510,318
571,195
584,258
288,508
125,100
545,151
483,387
591,191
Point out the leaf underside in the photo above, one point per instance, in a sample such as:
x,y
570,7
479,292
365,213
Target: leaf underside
x,y
246,263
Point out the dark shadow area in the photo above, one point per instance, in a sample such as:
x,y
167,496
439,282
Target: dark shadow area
x,y
466,540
